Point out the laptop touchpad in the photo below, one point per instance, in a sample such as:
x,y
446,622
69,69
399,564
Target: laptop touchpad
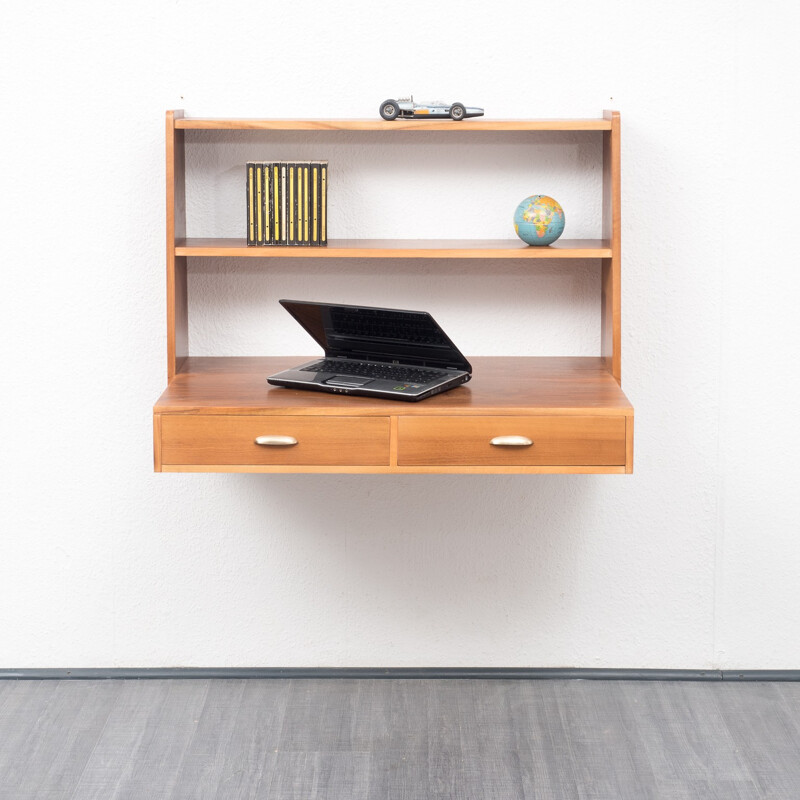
x,y
348,380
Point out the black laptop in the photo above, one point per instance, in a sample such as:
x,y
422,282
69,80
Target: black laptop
x,y
377,352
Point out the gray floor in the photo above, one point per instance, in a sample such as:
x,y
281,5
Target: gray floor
x,y
375,739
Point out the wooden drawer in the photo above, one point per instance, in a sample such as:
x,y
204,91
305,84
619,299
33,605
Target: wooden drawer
x,y
321,441
467,441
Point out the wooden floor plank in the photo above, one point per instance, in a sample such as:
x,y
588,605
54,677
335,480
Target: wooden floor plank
x,y
546,758
250,762
25,721
762,722
79,711
174,727
489,740
324,717
399,769
684,737
328,775
204,760
609,761
445,754
123,743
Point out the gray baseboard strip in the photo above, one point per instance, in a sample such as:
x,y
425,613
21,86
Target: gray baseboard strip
x,y
432,673
761,675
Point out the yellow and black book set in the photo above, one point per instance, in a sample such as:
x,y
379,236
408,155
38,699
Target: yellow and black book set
x,y
287,203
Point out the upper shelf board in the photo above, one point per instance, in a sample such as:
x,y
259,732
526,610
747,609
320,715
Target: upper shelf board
x,y
205,123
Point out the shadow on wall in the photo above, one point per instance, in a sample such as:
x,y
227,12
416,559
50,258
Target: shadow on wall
x,y
439,561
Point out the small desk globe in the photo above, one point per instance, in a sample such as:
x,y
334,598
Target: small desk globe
x,y
539,220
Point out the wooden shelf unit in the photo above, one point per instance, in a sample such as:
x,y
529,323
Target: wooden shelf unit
x,y
573,409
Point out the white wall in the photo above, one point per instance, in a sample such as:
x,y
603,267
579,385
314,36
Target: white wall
x,y
691,562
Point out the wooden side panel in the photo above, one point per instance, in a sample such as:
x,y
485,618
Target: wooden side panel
x,y
629,445
611,317
177,306
610,328
157,442
179,303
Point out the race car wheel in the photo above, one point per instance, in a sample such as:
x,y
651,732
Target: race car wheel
x,y
389,109
457,111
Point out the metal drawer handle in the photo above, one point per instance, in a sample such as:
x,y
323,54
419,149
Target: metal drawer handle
x,y
276,441
511,441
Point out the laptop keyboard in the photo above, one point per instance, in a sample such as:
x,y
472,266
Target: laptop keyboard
x,y
390,372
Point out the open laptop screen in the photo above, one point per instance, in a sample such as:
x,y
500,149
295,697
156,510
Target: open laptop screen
x,y
377,334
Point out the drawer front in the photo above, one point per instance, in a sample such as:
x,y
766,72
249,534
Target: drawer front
x,y
467,441
321,441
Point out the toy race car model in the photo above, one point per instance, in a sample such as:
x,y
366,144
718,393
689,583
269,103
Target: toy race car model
x,y
406,108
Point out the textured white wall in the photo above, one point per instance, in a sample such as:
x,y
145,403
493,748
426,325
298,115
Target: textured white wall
x,y
691,562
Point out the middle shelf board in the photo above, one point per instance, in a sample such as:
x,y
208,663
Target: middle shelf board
x,y
399,248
